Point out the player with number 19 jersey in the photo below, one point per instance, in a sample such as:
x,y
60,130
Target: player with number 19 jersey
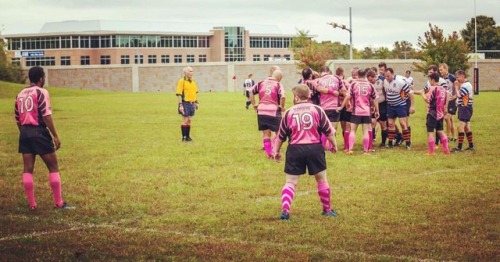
x,y
303,124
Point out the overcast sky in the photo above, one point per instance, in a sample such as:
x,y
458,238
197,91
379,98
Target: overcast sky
x,y
375,23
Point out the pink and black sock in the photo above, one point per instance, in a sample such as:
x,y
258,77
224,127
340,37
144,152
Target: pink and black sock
x,y
324,196
287,194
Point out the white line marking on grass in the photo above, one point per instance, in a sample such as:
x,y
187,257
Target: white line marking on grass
x,y
456,170
116,226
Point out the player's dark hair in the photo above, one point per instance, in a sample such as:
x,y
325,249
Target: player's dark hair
x,y
434,68
339,71
306,72
390,70
35,74
371,73
382,64
434,76
324,69
460,72
374,69
362,72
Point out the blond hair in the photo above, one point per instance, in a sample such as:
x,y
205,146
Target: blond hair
x,y
301,91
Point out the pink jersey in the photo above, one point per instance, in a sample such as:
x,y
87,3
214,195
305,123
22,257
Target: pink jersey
x,y
436,97
362,92
270,93
32,104
304,123
329,101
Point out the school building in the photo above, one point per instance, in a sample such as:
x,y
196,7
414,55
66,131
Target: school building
x,y
100,42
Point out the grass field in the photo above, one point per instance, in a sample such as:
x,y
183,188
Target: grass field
x,y
142,194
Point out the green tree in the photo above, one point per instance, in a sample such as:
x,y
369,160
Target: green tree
x,y
308,52
382,53
403,50
9,72
339,51
488,35
437,49
367,53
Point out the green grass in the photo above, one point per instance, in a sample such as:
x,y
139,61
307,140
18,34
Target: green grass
x,y
142,194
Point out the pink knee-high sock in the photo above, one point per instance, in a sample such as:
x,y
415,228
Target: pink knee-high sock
x,y
346,140
267,146
370,141
366,142
352,138
430,142
444,141
55,184
287,194
29,189
324,195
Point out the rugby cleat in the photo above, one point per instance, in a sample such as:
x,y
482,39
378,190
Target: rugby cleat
x,y
284,215
64,207
456,150
330,213
470,148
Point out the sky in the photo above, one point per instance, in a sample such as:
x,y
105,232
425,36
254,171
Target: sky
x,y
374,23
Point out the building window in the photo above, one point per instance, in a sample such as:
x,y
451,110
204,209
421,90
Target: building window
x,y
84,41
256,58
287,57
165,59
65,41
202,58
277,58
94,42
105,60
151,59
85,60
266,57
190,58
65,60
105,41
139,59
178,59
255,42
40,61
203,41
189,41
234,44
125,60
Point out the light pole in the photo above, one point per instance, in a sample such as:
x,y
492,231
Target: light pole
x,y
344,27
476,70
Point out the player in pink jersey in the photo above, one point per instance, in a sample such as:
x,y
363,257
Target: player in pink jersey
x,y
329,87
303,124
271,104
33,116
372,77
437,98
362,96
309,79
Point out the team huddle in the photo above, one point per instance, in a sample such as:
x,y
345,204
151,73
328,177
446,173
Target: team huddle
x,y
323,99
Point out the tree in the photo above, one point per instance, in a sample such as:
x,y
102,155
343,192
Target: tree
x,y
308,52
437,49
488,35
339,51
9,72
403,50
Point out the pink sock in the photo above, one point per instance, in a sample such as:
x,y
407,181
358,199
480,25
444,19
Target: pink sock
x,y
287,194
444,141
324,195
370,141
346,140
29,189
366,142
267,147
352,137
430,142
55,184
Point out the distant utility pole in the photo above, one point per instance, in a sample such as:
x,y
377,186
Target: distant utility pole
x,y
344,27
